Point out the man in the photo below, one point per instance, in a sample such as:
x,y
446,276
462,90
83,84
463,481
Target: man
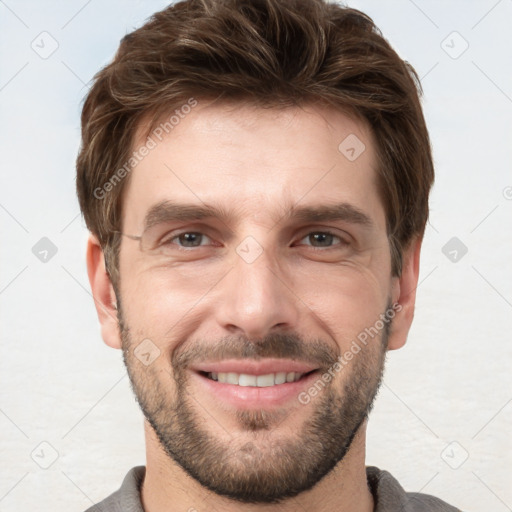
x,y
255,177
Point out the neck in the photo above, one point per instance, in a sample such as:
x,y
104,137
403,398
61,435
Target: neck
x,y
167,487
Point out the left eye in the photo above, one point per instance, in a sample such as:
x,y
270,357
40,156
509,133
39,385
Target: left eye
x,y
188,239
323,238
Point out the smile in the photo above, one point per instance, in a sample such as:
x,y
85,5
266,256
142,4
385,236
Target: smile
x,y
260,381
249,384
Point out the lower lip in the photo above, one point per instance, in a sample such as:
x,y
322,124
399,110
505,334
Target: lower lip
x,y
251,397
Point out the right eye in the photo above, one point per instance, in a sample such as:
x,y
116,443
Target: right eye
x,y
186,239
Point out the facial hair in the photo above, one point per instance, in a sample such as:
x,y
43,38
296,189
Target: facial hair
x,y
254,466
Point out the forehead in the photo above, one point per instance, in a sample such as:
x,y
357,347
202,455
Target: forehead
x,y
255,161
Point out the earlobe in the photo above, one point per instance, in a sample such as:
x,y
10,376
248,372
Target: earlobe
x,y
103,293
404,294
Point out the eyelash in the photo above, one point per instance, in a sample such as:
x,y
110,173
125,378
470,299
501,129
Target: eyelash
x,y
343,242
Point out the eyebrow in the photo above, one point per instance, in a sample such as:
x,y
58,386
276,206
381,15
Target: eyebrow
x,y
325,213
168,211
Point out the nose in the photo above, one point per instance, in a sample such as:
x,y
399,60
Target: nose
x,y
257,298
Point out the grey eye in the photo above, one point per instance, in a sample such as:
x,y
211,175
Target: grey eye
x,y
189,239
323,239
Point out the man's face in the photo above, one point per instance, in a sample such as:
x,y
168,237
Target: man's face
x,y
264,291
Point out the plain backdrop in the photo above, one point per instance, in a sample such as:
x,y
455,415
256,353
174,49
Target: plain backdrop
x,y
70,426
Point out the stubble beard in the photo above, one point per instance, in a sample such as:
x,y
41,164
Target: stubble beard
x,y
254,464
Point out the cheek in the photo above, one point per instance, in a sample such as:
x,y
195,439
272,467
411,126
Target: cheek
x,y
164,304
156,287
346,299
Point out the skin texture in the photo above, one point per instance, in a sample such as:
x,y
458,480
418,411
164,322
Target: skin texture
x,y
299,299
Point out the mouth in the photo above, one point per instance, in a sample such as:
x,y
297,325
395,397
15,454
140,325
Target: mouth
x,y
260,381
253,384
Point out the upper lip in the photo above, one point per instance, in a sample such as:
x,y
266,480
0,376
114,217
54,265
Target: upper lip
x,y
254,367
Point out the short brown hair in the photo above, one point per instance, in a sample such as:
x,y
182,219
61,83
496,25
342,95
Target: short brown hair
x,y
273,53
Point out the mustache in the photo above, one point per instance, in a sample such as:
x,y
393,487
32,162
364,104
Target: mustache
x,y
279,346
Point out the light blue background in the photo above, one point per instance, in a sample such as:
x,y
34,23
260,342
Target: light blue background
x,y
451,383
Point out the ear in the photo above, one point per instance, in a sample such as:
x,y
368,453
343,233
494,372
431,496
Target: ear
x,y
404,293
103,293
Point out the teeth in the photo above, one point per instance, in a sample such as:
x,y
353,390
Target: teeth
x,y
260,381
280,378
232,378
247,380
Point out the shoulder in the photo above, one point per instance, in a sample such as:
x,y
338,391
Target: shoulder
x,y
387,492
127,497
389,495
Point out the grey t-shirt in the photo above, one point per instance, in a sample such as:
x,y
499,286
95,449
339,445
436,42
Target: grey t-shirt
x,y
388,495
